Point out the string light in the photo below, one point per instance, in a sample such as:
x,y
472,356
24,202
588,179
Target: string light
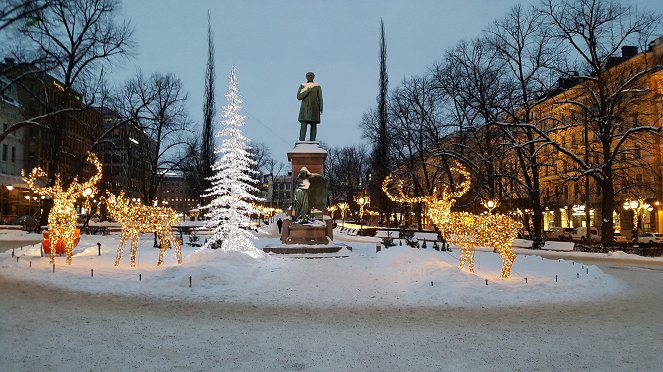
x,y
137,218
63,216
464,229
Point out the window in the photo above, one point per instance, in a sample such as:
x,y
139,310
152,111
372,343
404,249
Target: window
x,y
637,153
13,154
574,141
4,152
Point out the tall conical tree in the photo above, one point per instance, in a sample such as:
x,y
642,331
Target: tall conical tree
x,y
380,150
207,143
233,187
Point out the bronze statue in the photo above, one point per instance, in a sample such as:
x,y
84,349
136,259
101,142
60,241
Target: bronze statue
x,y
310,93
310,193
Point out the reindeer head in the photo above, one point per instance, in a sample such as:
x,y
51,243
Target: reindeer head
x,y
438,207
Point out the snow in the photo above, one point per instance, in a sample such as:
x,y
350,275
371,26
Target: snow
x,y
399,276
354,310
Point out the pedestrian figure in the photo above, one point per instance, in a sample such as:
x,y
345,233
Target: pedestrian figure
x,y
279,223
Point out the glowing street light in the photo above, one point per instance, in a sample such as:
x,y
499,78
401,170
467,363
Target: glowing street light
x,y
362,201
343,207
490,204
637,206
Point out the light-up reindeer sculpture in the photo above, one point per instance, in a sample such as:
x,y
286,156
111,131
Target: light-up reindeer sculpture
x,y
464,229
63,216
137,218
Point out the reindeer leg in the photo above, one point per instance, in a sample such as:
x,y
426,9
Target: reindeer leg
x,y
507,259
178,247
55,237
68,242
120,249
470,259
164,246
134,248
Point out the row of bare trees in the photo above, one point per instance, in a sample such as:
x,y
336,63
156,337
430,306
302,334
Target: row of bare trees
x,y
76,41
483,104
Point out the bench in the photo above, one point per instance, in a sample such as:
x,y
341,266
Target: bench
x,y
94,230
426,236
386,234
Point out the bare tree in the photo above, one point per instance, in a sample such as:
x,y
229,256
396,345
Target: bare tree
x,y
594,31
71,40
529,54
157,104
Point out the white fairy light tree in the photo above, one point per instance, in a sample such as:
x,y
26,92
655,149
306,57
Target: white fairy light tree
x,y
233,189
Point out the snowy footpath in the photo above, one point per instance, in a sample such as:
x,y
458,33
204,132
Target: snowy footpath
x,y
399,309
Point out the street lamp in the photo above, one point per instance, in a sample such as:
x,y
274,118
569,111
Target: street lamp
x,y
637,206
490,204
343,207
331,209
362,201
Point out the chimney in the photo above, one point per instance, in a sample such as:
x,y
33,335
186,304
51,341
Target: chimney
x,y
10,61
629,51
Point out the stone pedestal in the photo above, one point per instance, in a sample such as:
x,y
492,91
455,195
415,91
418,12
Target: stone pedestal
x,y
309,234
307,154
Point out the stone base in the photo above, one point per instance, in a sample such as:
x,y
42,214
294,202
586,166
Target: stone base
x,y
309,234
305,249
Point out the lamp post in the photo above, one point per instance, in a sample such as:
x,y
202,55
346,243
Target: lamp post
x,y
490,204
362,201
343,207
637,206
332,209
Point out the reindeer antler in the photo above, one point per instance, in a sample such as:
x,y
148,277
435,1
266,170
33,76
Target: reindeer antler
x,y
464,186
32,177
91,183
401,197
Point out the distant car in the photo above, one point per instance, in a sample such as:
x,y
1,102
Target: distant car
x,y
618,238
559,233
28,222
580,234
651,237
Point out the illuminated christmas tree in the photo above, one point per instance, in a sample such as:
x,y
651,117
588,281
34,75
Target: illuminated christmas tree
x,y
233,189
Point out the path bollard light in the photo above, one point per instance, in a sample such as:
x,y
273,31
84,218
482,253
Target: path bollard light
x,y
486,281
12,252
99,247
588,270
577,275
53,267
189,282
30,263
431,284
17,259
555,278
525,280
140,277
92,273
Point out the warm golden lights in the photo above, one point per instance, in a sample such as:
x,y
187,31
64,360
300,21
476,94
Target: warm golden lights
x,y
137,218
63,216
464,229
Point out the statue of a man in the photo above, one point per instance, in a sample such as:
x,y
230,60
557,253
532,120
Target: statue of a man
x,y
310,93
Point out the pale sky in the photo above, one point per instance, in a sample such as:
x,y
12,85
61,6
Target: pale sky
x,y
274,43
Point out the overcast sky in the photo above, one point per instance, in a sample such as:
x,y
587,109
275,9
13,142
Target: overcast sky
x,y
274,43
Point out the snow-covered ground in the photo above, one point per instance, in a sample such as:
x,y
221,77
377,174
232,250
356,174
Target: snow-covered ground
x,y
360,311
399,276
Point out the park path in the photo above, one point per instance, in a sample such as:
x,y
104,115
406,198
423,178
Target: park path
x,y
43,328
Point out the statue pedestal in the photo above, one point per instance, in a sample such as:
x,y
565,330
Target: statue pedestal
x,y
310,234
306,238
307,154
